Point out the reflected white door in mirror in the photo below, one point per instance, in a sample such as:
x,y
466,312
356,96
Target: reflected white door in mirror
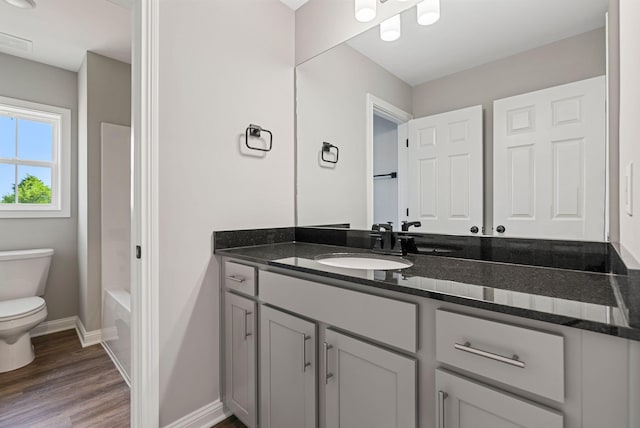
x,y
444,172
549,174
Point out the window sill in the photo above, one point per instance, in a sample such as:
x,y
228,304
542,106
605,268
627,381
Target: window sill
x,y
25,214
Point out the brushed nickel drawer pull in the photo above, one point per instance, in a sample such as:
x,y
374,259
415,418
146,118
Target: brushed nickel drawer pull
x,y
441,397
514,361
246,323
327,375
305,363
236,278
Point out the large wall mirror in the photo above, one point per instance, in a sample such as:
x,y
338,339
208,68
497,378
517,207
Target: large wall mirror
x,y
490,121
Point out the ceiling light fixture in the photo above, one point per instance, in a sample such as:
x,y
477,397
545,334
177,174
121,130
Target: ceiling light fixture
x,y
365,10
22,4
428,12
390,29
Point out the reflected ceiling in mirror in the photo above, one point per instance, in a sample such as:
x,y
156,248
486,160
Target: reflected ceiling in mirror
x,y
472,33
417,114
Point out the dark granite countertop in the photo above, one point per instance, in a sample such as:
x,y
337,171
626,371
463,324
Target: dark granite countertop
x,y
599,302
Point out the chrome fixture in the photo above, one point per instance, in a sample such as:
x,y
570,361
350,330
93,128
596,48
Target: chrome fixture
x,y
22,4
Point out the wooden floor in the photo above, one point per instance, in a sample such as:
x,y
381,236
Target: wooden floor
x,y
66,386
232,422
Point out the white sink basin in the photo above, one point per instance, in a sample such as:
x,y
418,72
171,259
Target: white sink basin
x,y
364,261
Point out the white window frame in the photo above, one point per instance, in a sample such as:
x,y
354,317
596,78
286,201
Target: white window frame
x,y
60,119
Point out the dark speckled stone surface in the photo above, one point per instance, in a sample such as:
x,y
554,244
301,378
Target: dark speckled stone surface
x,y
600,302
587,256
246,238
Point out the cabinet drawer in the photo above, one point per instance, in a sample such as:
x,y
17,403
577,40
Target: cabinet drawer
x,y
527,359
240,278
386,320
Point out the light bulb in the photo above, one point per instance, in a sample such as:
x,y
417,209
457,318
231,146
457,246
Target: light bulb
x,y
428,12
365,10
390,29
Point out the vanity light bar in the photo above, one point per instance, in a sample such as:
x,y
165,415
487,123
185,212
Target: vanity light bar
x,y
428,13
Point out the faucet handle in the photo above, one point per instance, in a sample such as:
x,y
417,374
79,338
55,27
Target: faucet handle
x,y
407,224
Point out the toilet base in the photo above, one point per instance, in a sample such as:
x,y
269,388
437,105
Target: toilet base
x,y
17,354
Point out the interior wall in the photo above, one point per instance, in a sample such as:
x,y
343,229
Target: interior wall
x,y
575,58
629,122
36,82
223,66
331,106
613,93
385,161
105,89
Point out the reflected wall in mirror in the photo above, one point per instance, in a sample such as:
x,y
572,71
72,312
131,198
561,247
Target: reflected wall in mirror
x,y
490,121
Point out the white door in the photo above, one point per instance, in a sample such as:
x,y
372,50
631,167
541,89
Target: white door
x,y
287,370
463,403
367,386
549,162
445,166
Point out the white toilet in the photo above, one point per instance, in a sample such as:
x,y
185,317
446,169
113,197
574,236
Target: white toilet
x,y
23,278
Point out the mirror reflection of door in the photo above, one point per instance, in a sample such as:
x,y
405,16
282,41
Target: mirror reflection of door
x,y
549,174
445,170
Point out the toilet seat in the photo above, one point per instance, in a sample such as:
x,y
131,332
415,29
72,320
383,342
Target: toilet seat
x,y
20,308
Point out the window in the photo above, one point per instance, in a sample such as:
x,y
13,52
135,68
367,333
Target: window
x,y
34,160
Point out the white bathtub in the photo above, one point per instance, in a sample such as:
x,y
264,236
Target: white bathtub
x,y
116,330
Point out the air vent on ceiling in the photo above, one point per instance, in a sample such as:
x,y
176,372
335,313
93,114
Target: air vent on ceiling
x,y
15,43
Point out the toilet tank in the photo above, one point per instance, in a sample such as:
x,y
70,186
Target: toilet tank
x,y
24,273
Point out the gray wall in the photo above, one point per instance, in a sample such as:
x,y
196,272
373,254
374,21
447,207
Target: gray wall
x,y
223,65
105,90
331,98
32,81
575,58
630,122
613,75
385,160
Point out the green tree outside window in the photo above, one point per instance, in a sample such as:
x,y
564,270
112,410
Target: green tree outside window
x,y
31,190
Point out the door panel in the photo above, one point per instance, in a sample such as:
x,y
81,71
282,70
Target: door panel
x,y
549,162
469,404
240,358
287,371
368,386
444,170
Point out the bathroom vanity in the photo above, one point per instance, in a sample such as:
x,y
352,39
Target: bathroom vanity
x,y
447,342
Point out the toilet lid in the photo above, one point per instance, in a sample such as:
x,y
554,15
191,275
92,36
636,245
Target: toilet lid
x,y
18,308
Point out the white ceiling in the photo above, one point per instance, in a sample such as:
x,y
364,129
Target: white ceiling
x,y
294,4
63,30
474,32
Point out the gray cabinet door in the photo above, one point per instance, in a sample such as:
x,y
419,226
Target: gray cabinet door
x,y
287,371
463,403
367,386
240,358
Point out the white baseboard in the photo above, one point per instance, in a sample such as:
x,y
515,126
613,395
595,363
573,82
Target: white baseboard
x,y
205,417
54,326
87,338
116,363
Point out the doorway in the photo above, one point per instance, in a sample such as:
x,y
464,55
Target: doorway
x,y
386,134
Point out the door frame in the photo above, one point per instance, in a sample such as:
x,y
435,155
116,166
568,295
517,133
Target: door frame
x,y
379,107
145,391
